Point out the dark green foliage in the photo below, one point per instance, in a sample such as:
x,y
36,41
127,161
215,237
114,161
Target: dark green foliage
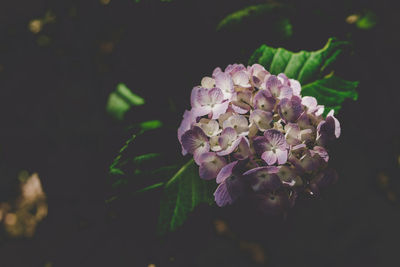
x,y
331,91
275,15
309,69
182,193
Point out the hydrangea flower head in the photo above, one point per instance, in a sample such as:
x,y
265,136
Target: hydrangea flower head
x,y
258,137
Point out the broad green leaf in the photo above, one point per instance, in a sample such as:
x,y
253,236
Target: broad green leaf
x,y
303,66
121,100
309,68
331,92
182,193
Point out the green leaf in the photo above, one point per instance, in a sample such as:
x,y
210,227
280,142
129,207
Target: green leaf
x,y
182,193
151,187
309,69
273,14
121,100
148,188
303,66
331,91
150,125
367,21
142,158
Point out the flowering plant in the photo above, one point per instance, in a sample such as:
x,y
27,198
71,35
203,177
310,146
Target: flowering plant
x,y
259,133
258,137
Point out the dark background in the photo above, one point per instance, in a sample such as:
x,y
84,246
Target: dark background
x,y
54,87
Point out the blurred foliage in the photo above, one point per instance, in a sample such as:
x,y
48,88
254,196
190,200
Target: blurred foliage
x,y
367,21
364,21
275,15
307,67
121,100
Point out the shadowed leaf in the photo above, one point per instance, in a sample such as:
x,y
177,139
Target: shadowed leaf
x,y
273,14
331,92
182,193
303,66
309,68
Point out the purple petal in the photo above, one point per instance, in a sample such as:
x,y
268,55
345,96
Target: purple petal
x,y
281,156
244,96
200,151
307,163
196,91
273,85
193,139
261,118
240,107
225,83
290,110
269,157
276,138
309,101
264,100
328,129
210,127
243,149
210,165
186,124
264,178
258,74
216,96
230,189
214,144
269,169
230,148
283,79
292,133
226,171
201,97
319,110
201,111
296,87
321,152
233,68
222,196
335,122
241,78
285,92
216,71
237,122
228,136
219,109
260,144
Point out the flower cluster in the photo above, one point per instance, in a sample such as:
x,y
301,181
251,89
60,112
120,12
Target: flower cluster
x,y
258,137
